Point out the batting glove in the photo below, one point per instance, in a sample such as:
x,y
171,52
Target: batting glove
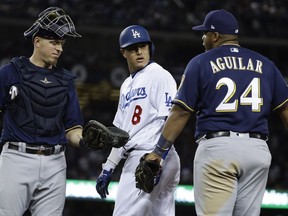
x,y
103,182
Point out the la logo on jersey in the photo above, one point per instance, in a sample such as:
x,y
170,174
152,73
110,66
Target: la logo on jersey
x,y
135,34
168,100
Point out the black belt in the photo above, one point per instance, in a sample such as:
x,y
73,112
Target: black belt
x,y
130,150
211,135
36,149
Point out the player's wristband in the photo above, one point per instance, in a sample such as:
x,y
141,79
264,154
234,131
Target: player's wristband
x,y
162,147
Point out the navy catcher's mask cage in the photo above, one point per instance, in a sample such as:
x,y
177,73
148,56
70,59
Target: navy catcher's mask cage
x,y
135,34
52,23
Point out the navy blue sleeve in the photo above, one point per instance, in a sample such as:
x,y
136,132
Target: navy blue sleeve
x,y
8,77
188,91
73,116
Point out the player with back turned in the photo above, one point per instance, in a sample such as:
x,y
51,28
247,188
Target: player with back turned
x,y
41,114
232,91
145,101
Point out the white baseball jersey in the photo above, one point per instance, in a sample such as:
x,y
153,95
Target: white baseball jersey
x,y
145,101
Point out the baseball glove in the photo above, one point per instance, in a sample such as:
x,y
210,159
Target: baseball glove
x,y
97,136
147,174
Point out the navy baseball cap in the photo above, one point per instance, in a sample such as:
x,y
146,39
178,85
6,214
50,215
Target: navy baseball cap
x,y
48,34
220,21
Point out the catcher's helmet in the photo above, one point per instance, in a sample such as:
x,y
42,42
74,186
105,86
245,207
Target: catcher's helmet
x,y
135,34
52,23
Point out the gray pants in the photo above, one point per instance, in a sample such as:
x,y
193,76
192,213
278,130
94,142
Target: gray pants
x,y
230,175
32,181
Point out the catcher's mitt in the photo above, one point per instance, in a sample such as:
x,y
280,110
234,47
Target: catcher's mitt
x,y
97,136
147,174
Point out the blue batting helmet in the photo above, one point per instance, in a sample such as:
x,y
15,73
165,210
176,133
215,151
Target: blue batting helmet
x,y
135,34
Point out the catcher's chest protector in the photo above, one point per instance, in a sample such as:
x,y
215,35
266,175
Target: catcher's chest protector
x,y
39,107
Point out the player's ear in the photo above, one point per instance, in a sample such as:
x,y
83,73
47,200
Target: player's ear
x,y
123,52
36,40
216,36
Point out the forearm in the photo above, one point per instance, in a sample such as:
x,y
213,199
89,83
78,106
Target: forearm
x,y
174,125
283,113
112,160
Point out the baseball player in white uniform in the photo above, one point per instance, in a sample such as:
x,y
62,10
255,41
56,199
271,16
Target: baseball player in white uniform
x,y
144,104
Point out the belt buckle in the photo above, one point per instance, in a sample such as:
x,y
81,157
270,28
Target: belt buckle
x,y
41,151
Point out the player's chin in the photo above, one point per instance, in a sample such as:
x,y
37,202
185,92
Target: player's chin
x,y
140,63
140,66
54,59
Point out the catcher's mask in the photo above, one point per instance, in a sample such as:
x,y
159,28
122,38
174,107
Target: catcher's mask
x,y
135,34
53,23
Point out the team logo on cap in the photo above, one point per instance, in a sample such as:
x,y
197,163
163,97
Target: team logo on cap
x,y
135,34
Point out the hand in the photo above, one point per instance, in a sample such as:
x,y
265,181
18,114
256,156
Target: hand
x,y
153,157
148,172
103,182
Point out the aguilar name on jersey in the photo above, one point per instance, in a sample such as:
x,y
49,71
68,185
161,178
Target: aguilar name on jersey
x,y
242,81
145,101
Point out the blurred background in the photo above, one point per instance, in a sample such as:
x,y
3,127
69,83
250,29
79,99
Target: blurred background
x,y
100,68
